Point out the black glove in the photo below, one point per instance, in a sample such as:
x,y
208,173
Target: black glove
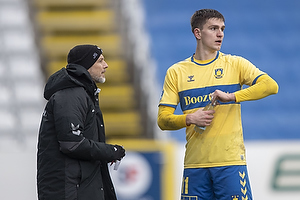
x,y
119,152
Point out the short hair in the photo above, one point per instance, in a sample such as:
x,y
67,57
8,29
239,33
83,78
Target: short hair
x,y
200,17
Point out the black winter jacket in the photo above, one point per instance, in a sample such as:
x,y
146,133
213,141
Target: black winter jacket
x,y
72,154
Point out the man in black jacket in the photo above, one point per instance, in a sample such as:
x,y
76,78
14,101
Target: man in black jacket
x,y
72,154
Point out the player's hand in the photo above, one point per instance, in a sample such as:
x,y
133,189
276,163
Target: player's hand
x,y
222,96
200,118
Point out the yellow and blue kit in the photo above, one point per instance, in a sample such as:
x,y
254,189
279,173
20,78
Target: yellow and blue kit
x,y
190,83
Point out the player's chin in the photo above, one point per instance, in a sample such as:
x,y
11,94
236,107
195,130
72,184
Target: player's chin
x,y
218,47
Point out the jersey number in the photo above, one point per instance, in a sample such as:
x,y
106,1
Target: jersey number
x,y
185,185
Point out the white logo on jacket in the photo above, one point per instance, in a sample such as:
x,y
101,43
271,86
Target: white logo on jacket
x,y
75,129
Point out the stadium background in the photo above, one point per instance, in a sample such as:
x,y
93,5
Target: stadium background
x,y
157,34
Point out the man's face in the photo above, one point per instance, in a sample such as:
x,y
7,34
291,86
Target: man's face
x,y
98,69
212,34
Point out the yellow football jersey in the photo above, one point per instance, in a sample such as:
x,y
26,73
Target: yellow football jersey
x,y
189,83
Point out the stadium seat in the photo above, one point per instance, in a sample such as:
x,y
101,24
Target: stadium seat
x,y
119,97
6,95
122,124
8,121
76,21
56,46
28,92
70,3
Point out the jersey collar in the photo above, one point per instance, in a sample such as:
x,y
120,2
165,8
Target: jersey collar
x,y
193,60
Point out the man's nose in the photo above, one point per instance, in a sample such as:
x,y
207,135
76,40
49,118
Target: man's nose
x,y
105,65
220,33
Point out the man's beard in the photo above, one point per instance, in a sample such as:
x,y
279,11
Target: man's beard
x,y
99,79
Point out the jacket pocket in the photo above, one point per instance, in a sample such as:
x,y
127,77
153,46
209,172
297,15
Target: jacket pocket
x,y
90,186
72,178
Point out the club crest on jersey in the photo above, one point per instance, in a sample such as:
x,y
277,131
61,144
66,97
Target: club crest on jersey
x,y
219,73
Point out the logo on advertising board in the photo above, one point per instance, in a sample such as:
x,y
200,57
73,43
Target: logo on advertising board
x,y
136,177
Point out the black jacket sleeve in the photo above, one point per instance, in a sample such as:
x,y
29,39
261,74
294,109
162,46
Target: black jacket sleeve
x,y
71,108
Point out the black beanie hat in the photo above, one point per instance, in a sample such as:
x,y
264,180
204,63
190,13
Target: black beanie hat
x,y
85,55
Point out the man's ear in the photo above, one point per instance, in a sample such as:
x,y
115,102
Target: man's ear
x,y
197,33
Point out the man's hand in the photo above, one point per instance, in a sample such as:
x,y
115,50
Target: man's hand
x,y
204,118
222,96
200,117
119,152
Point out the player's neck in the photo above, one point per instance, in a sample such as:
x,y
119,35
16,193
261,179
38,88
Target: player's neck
x,y
202,54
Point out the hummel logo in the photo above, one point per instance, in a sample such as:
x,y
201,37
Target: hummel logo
x,y
190,78
75,129
95,55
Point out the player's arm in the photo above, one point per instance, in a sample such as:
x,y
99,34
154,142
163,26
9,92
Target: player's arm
x,y
263,87
167,120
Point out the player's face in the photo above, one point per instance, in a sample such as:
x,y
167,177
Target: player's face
x,y
98,69
212,34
